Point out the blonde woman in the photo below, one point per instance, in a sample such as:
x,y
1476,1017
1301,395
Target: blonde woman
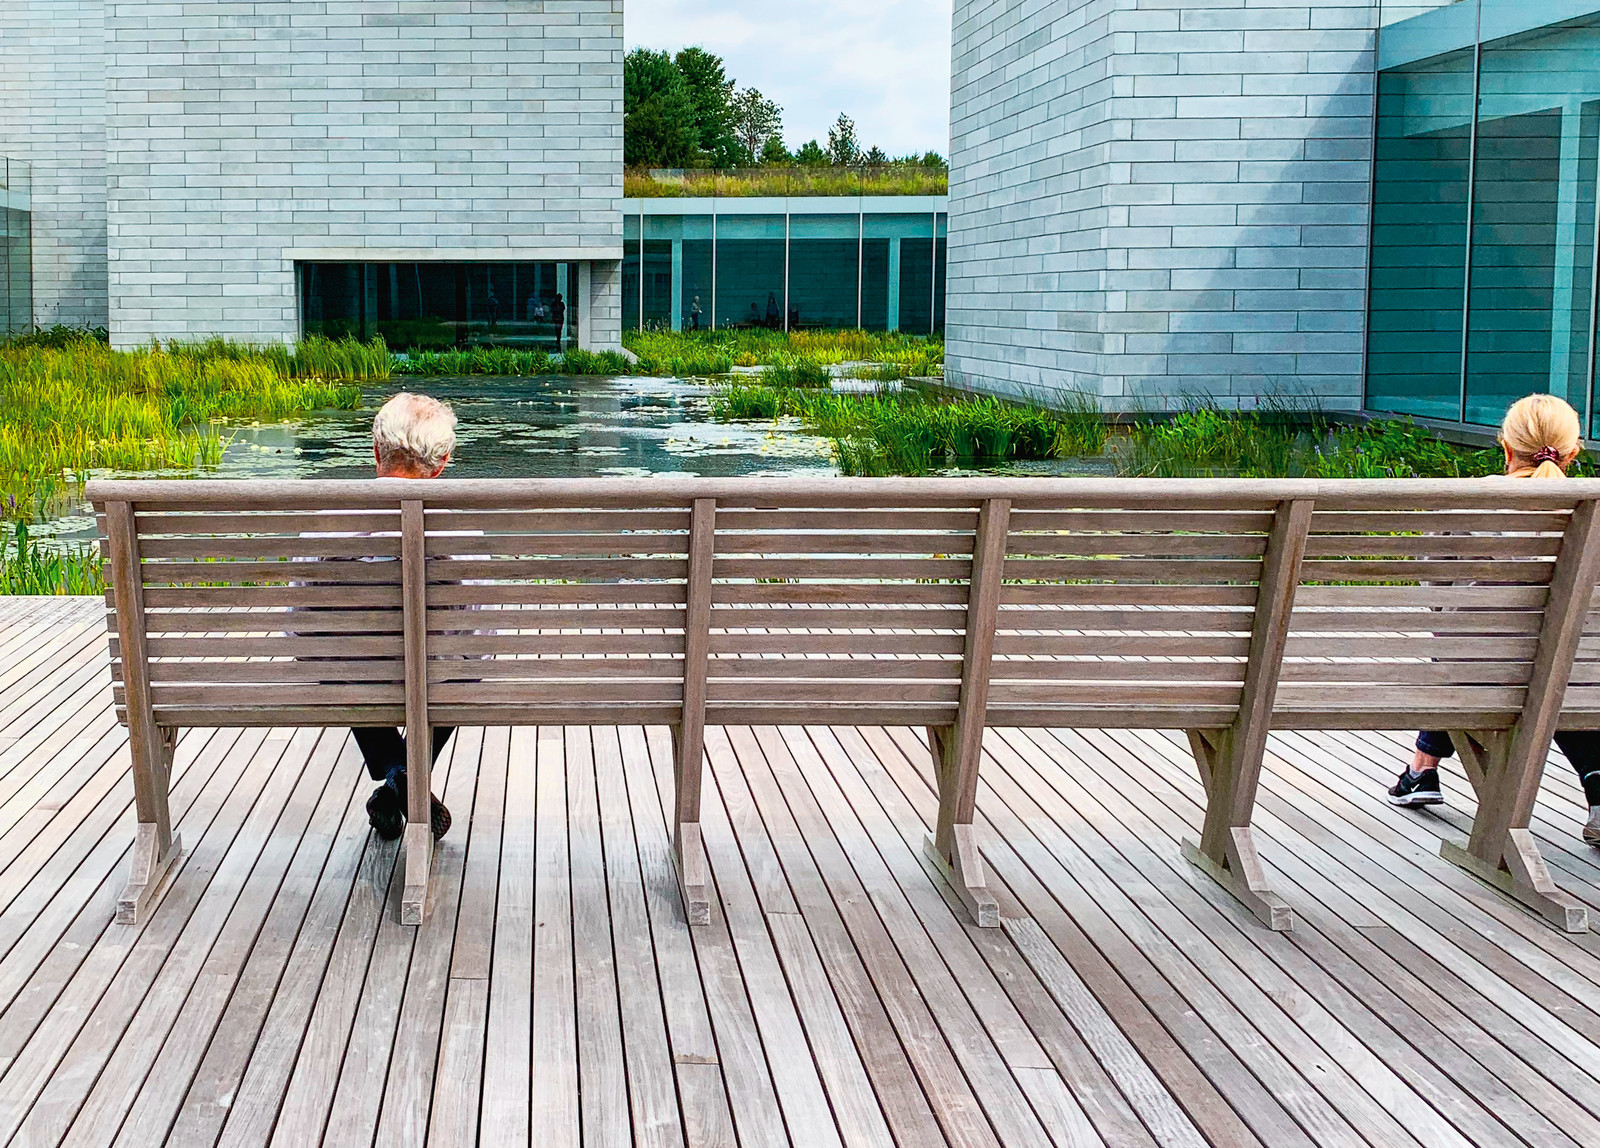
x,y
1540,439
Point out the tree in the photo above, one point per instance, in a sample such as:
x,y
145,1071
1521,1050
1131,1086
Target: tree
x,y
874,157
776,155
934,161
757,121
658,116
842,145
810,155
711,93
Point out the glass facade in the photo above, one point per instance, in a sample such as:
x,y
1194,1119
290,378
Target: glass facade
x,y
433,306
16,249
878,270
1484,222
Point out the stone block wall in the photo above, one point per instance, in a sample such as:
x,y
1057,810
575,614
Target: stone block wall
x,y
52,116
1161,201
244,137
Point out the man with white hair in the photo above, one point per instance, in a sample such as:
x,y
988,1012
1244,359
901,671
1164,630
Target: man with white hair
x,y
412,437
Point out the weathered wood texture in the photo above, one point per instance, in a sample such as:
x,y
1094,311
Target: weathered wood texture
x,y
1221,607
556,995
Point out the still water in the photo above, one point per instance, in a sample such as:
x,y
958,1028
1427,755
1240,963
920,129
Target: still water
x,y
544,427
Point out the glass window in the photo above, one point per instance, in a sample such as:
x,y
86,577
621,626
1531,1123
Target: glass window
x,y
1419,238
432,306
19,273
823,257
750,255
630,270
897,275
682,254
1533,220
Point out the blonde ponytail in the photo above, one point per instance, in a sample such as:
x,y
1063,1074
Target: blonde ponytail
x,y
1540,433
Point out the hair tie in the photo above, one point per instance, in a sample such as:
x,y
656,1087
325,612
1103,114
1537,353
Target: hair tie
x,y
1546,454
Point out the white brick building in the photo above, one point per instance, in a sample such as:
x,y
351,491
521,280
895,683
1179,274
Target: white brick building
x,y
246,142
1154,201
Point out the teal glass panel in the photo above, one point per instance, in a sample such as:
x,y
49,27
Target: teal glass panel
x,y
434,306
630,271
678,294
750,256
824,252
1533,219
896,272
1419,238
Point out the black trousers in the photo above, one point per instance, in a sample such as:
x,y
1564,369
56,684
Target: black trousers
x,y
1582,747
384,747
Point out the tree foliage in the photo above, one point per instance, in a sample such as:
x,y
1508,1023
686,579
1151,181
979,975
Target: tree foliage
x,y
658,122
810,155
758,123
711,93
843,147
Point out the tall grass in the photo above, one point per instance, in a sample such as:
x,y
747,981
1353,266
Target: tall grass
x,y
692,353
69,409
1208,441
508,361
27,567
911,434
883,179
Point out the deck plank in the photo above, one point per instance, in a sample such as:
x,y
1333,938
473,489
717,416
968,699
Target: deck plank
x,y
555,994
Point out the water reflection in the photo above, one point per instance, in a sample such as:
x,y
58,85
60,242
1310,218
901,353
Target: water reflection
x,y
545,427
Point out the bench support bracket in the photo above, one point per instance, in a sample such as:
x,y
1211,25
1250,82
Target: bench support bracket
x,y
958,748
1513,865
952,846
156,847
1233,861
689,736
1230,759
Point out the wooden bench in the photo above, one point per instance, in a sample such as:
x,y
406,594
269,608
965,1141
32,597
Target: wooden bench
x,y
1221,607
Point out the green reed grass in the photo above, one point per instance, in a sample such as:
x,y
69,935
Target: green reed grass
x,y
80,406
1208,441
696,353
912,433
29,567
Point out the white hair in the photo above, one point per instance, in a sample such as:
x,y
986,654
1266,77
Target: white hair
x,y
414,432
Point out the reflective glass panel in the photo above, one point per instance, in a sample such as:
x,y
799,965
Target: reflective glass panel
x,y
750,254
823,264
1533,217
432,306
1419,237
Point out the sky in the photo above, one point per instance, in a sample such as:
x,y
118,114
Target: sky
x,y
884,63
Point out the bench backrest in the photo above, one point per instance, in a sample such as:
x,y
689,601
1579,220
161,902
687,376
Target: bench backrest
x,y
1062,601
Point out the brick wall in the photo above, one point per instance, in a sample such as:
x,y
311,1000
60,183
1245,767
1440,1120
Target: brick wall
x,y
245,136
1156,201
52,116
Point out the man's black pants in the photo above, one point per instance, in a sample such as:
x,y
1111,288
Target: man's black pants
x,y
384,747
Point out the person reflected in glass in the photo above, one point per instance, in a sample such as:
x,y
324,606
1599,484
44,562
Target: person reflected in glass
x,y
1540,439
694,314
755,317
558,315
772,311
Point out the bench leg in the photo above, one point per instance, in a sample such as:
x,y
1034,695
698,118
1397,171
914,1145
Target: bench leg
x,y
688,851
419,824
1227,850
1511,864
952,846
154,848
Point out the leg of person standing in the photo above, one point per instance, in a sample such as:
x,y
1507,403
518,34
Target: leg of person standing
x,y
1419,783
1582,748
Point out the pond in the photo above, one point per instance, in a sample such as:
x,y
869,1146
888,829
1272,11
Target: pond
x,y
543,427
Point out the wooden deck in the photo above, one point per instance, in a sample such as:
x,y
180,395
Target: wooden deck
x,y
838,997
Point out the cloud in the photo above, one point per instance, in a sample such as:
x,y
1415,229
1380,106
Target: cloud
x,y
884,64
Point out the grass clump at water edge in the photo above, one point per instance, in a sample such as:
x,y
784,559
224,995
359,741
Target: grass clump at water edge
x,y
29,567
77,407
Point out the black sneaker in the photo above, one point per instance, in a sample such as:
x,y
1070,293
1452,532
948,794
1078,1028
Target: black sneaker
x,y
1418,789
386,813
441,819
